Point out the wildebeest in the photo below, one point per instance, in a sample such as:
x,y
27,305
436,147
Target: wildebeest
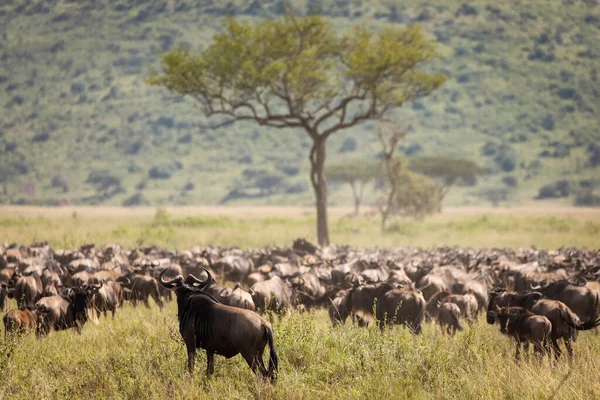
x,y
19,321
584,302
565,323
448,316
3,296
28,289
142,287
510,299
273,294
108,298
67,310
525,327
399,306
220,329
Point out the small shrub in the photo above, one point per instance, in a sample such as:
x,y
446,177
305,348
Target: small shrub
x,y
510,181
137,199
554,190
159,172
349,145
587,199
61,181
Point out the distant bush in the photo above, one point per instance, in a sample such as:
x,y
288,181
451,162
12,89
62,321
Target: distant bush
x,y
61,181
554,190
106,183
137,199
349,145
411,149
594,154
159,172
40,137
77,88
296,188
587,199
134,148
506,158
189,186
548,122
489,148
567,93
510,181
187,138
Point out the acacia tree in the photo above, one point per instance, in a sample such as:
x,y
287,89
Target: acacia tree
x,y
447,171
296,72
358,174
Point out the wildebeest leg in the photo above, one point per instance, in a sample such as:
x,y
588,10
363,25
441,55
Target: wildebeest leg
x,y
569,346
146,302
556,348
190,344
157,299
518,351
210,362
538,348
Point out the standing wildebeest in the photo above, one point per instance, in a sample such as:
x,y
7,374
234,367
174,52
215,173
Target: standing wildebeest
x,y
108,298
142,287
28,289
525,327
3,295
273,294
399,306
448,315
68,310
565,323
221,329
236,297
510,299
19,321
584,302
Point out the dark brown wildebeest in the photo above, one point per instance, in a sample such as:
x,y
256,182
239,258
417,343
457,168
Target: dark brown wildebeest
x,y
510,299
3,296
403,307
584,302
68,310
448,315
19,321
526,327
236,297
565,323
220,329
142,287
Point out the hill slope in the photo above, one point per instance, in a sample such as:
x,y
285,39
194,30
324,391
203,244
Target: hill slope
x,y
78,124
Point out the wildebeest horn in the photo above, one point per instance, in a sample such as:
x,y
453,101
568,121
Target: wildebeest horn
x,y
191,279
177,281
537,287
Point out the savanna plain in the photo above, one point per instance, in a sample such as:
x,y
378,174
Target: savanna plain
x,y
139,353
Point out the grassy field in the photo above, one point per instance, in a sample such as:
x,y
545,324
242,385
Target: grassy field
x,y
139,354
182,227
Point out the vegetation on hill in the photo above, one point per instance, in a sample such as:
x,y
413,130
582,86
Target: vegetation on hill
x,y
78,124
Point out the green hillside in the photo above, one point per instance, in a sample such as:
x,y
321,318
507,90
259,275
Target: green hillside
x,y
79,125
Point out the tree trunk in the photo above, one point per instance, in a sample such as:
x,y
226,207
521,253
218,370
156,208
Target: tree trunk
x,y
356,195
317,178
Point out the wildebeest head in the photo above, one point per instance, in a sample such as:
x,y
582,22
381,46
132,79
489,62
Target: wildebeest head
x,y
79,299
507,315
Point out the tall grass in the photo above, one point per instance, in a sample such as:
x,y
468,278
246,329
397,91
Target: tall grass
x,y
139,355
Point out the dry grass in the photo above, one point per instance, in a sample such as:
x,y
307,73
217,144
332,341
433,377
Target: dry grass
x,y
256,226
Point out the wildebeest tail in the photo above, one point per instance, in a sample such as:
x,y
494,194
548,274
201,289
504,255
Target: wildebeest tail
x,y
273,359
573,321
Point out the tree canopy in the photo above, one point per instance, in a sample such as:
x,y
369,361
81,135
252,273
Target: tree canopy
x,y
297,72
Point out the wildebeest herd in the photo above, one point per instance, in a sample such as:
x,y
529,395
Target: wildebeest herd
x,y
222,294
